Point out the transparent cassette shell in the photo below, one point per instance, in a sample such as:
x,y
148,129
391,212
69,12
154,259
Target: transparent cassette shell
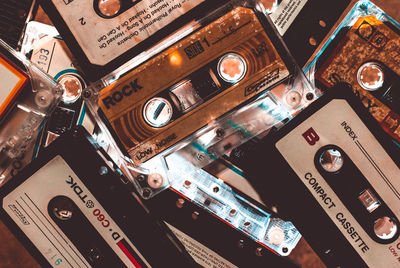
x,y
181,165
19,127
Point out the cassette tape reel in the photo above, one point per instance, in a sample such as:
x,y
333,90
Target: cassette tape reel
x,y
342,172
178,112
28,96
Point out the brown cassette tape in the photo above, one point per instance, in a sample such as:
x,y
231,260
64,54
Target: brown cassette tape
x,y
368,58
192,83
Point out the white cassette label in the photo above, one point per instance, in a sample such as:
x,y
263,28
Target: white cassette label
x,y
346,130
286,13
200,253
104,39
28,204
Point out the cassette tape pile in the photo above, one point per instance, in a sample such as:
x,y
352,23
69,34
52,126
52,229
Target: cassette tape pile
x,y
203,142
28,96
188,105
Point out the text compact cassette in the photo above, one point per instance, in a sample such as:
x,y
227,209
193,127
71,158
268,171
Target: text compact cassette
x,y
336,177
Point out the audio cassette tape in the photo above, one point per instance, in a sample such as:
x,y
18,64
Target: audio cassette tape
x,y
213,90
41,40
211,242
336,178
27,97
104,34
364,52
71,207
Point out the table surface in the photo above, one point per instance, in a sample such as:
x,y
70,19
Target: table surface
x,y
13,254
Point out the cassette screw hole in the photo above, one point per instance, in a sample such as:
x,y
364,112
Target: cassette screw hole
x,y
293,99
259,252
370,76
322,23
285,250
195,215
103,170
385,228
180,202
240,243
146,193
220,132
87,94
233,212
155,180
331,160
216,189
312,41
140,178
309,96
200,157
42,99
21,13
187,184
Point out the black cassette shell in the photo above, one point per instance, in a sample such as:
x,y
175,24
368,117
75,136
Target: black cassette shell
x,y
149,235
264,165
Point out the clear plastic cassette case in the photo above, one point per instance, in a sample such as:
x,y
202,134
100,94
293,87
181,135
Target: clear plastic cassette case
x,y
28,96
165,122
